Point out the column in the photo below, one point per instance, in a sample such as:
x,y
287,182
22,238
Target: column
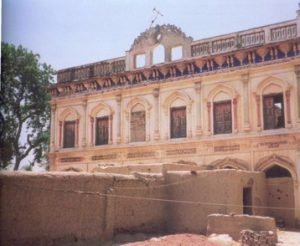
x,y
198,108
84,104
118,121
60,134
53,111
209,117
156,113
92,130
77,134
110,140
235,116
245,81
297,72
288,108
257,98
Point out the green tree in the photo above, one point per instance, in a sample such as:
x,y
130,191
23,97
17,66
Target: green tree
x,y
24,101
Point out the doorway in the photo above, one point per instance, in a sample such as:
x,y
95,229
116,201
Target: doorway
x,y
247,200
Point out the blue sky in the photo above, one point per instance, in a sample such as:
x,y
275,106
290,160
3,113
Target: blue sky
x,y
73,32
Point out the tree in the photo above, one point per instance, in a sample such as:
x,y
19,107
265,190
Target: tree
x,y
25,108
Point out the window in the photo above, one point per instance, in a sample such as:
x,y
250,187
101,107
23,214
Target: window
x,y
138,126
178,122
69,134
222,117
273,111
277,172
159,54
176,53
102,130
140,60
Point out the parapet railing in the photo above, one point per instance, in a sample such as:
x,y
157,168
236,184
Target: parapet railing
x,y
245,39
99,69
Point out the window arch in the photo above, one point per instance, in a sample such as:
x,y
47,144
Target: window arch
x,y
138,119
222,110
68,128
177,108
101,120
273,104
158,54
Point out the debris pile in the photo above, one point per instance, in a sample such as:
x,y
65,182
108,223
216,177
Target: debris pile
x,y
255,238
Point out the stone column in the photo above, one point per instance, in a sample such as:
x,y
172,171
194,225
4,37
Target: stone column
x,y
156,113
53,119
257,98
288,108
118,120
77,134
198,108
209,117
297,72
92,130
84,104
235,116
60,134
245,81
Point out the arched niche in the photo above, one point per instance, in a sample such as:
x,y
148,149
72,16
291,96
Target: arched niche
x,y
68,133
222,103
137,115
101,125
178,101
273,110
230,163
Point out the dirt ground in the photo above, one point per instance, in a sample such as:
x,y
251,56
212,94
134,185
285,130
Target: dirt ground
x,y
285,238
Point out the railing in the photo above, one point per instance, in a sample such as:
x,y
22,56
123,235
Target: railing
x,y
100,69
245,39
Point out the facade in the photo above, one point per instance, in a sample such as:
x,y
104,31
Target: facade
x,y
231,101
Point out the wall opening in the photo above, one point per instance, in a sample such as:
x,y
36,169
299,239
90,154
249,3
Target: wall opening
x,y
158,54
280,196
140,60
176,53
247,200
273,110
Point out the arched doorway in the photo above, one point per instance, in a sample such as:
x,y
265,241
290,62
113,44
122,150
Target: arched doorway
x,y
280,195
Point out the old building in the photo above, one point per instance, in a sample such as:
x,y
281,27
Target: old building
x,y
231,101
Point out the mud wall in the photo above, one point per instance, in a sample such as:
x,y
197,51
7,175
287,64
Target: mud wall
x,y
211,192
65,208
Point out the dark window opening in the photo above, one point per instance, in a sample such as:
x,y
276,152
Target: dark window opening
x,y
178,122
138,126
69,134
247,200
222,117
277,172
273,111
102,130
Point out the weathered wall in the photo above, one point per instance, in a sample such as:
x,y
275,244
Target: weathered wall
x,y
281,195
46,209
233,225
63,208
211,192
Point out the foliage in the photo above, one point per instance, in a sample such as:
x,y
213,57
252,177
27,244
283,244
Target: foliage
x,y
24,101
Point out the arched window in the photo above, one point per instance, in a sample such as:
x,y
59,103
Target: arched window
x,y
68,128
159,54
138,123
178,122
273,110
276,171
222,113
140,60
101,120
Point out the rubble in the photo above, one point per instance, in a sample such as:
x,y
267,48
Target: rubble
x,y
258,238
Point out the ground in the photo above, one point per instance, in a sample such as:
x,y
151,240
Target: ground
x,y
285,238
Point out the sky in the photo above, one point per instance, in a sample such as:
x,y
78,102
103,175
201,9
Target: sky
x,y
68,33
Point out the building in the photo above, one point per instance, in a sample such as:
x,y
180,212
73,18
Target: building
x,y
231,101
